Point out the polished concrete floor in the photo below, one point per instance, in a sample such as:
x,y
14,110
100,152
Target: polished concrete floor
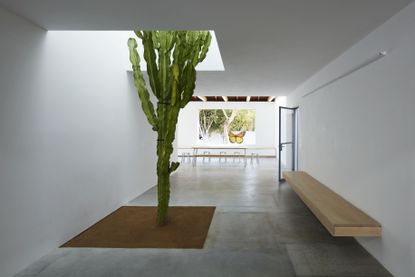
x,y
259,228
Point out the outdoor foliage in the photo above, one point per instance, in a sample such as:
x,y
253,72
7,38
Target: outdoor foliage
x,y
222,121
244,120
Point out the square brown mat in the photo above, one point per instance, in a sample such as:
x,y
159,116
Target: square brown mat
x,y
135,227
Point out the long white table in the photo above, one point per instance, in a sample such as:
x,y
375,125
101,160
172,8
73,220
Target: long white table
x,y
218,147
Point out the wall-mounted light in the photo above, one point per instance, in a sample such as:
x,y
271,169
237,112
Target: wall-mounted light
x,y
248,98
225,98
370,60
270,98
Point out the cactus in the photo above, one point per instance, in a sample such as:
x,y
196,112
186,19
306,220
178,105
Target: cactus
x,y
171,58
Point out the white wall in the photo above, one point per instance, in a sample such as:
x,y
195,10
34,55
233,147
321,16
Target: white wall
x,y
265,124
358,136
74,144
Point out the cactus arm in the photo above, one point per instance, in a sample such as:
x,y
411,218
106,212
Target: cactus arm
x,y
140,84
180,50
205,48
190,84
164,52
174,166
175,84
179,60
150,58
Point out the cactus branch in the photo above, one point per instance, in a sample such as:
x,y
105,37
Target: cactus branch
x,y
174,166
140,84
150,57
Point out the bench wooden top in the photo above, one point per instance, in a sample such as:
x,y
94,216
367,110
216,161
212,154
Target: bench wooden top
x,y
339,216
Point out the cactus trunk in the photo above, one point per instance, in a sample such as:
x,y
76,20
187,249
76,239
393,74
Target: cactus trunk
x,y
163,187
172,82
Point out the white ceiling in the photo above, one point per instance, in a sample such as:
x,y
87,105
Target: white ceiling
x,y
268,47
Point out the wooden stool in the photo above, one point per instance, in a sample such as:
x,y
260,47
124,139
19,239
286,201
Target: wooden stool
x,y
237,154
206,153
222,154
256,156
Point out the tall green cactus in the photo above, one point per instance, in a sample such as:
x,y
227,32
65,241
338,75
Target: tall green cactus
x,y
171,58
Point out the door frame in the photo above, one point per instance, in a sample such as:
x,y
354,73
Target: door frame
x,y
294,141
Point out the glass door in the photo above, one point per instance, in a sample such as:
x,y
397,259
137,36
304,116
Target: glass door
x,y
287,156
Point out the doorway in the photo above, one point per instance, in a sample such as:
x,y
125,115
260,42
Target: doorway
x,y
288,140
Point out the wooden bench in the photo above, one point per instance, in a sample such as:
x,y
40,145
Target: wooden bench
x,y
339,216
